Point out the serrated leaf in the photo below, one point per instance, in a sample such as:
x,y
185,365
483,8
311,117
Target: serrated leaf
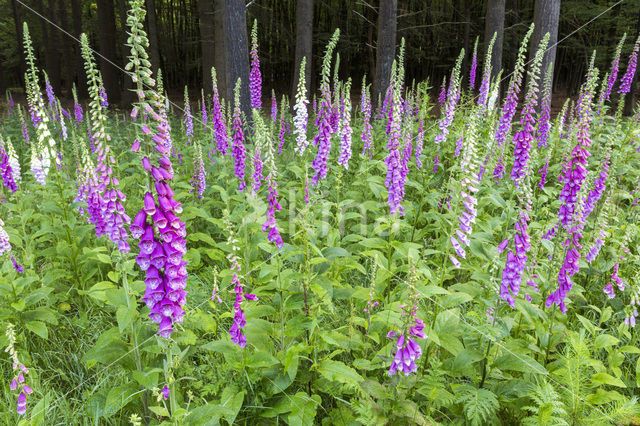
x,y
340,372
607,379
303,409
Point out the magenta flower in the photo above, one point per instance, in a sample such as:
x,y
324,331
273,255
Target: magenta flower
x,y
419,144
238,150
255,78
627,78
474,65
442,97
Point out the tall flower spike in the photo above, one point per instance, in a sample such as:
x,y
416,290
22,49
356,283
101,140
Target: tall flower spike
x,y
615,64
77,108
442,97
6,170
323,138
345,126
162,234
18,383
525,136
198,181
188,118
239,321
110,220
486,76
627,78
365,106
255,79
13,161
217,117
238,150
270,226
302,114
474,66
453,95
545,109
274,101
511,100
408,351
575,173
394,181
46,146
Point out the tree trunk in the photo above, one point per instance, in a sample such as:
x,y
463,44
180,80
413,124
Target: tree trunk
x,y
237,49
107,42
152,24
76,16
304,44
386,47
51,45
546,15
67,46
207,41
220,57
494,23
19,38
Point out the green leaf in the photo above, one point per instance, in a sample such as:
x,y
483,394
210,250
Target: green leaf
x,y
208,415
338,371
125,316
107,349
605,340
39,328
519,362
232,401
118,397
607,379
303,409
479,405
146,379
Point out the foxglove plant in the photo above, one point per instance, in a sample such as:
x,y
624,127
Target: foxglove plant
x,y
77,108
112,218
239,320
486,76
574,177
6,170
302,114
255,78
597,245
523,138
45,149
18,382
283,123
474,66
204,116
217,117
511,100
615,279
442,97
14,163
615,64
627,78
365,106
394,180
469,186
408,351
238,151
419,144
5,245
453,95
270,226
274,101
163,240
345,126
323,138
544,123
188,119
198,181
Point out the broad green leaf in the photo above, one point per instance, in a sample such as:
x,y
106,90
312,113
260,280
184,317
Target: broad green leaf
x,y
39,328
519,362
118,397
339,371
607,379
303,409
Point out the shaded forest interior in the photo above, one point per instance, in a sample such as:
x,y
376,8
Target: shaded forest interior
x,y
188,37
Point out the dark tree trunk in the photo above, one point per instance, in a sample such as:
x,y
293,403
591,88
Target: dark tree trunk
x,y
107,41
152,25
207,41
220,57
51,45
18,23
67,46
546,16
304,44
76,16
494,23
237,51
386,47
